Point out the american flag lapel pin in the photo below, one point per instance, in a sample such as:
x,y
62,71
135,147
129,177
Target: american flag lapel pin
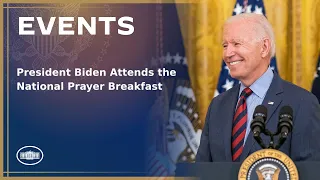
x,y
270,103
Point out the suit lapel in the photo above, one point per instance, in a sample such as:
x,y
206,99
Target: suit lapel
x,y
271,101
228,112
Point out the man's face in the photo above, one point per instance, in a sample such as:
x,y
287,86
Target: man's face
x,y
241,51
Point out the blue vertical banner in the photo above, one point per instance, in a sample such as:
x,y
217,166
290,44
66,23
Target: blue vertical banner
x,y
242,6
316,83
180,124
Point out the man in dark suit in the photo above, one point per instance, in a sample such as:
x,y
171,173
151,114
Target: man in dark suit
x,y
249,45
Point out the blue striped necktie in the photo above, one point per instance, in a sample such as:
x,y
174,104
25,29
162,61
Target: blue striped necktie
x,y
239,125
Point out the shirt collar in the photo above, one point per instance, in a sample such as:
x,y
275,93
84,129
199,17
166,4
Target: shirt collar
x,y
261,85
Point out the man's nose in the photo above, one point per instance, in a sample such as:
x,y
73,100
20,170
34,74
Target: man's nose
x,y
229,51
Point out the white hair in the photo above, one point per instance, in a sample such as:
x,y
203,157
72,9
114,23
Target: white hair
x,y
261,26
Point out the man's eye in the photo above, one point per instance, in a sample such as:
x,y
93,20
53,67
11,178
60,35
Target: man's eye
x,y
237,44
224,46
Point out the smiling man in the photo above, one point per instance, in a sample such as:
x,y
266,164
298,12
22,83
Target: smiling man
x,y
248,46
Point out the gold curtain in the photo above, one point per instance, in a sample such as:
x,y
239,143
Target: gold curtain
x,y
296,24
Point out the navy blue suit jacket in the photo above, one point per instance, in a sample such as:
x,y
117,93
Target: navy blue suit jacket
x,y
302,144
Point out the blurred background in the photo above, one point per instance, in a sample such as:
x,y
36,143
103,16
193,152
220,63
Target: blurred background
x,y
296,24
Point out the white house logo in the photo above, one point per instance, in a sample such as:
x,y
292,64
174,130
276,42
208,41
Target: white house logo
x,y
29,155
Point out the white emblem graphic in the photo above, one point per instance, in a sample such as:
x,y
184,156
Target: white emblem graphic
x,y
29,153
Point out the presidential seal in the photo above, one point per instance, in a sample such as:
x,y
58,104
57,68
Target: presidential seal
x,y
268,164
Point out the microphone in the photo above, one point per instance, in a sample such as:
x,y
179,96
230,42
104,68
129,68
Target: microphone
x,y
259,117
258,123
285,124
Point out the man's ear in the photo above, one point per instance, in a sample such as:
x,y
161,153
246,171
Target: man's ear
x,y
266,47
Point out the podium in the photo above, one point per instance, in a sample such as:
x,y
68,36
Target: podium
x,y
229,170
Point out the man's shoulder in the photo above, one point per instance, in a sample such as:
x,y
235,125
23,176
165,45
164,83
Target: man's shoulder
x,y
225,95
297,92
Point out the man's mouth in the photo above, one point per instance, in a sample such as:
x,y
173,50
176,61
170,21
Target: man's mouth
x,y
234,62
